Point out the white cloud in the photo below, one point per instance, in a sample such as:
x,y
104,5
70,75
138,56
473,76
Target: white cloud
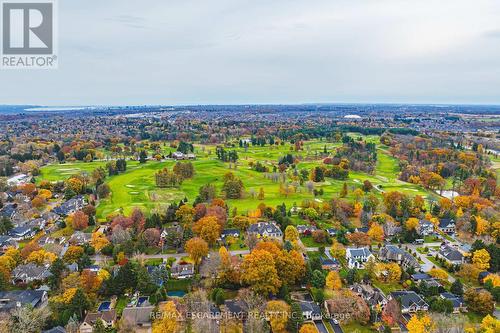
x,y
289,51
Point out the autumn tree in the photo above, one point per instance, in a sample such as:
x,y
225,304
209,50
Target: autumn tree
x,y
185,214
259,271
420,324
208,228
168,319
98,241
197,248
241,222
376,232
291,233
359,239
73,254
411,223
479,301
438,274
481,259
333,280
80,220
278,312
308,328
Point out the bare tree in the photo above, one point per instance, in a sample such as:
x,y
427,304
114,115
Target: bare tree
x,y
28,320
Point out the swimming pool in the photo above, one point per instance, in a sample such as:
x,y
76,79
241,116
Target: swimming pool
x,y
176,293
104,306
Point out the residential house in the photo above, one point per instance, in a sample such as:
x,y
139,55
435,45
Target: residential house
x,y
108,318
451,255
425,228
306,229
457,301
234,308
6,242
332,232
30,272
80,238
57,329
265,230
71,206
22,233
10,300
362,229
373,296
409,301
8,210
391,228
19,179
329,263
138,317
447,226
424,277
399,256
230,233
357,257
175,229
182,271
310,310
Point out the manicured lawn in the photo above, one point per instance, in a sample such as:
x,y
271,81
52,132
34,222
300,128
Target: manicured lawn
x,y
308,241
356,327
178,285
136,186
387,288
121,303
154,262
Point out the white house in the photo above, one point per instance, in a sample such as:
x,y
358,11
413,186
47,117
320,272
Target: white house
x,y
357,257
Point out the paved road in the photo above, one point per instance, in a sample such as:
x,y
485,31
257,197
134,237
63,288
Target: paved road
x,y
101,258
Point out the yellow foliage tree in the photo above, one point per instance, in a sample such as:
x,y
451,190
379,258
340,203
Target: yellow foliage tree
x,y
376,232
423,324
481,259
490,324
482,226
260,273
337,250
197,248
291,233
98,241
438,273
411,223
168,321
333,280
308,328
278,312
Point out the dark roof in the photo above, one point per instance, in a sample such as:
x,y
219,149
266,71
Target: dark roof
x,y
421,276
444,223
20,231
408,298
328,261
235,306
9,299
310,307
57,329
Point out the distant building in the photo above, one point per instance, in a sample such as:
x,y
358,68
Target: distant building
x,y
108,318
373,296
71,206
265,229
447,226
19,179
457,301
182,271
29,273
10,300
425,228
399,256
451,255
409,301
329,264
22,233
357,257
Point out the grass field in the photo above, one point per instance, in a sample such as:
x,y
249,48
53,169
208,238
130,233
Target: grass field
x,y
136,187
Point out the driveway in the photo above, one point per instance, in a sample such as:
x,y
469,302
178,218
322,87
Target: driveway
x,y
336,327
321,326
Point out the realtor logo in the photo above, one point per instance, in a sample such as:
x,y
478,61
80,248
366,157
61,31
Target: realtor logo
x,y
28,35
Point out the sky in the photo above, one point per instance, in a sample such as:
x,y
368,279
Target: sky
x,y
167,52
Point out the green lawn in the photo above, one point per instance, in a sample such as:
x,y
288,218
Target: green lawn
x,y
136,186
178,285
356,327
